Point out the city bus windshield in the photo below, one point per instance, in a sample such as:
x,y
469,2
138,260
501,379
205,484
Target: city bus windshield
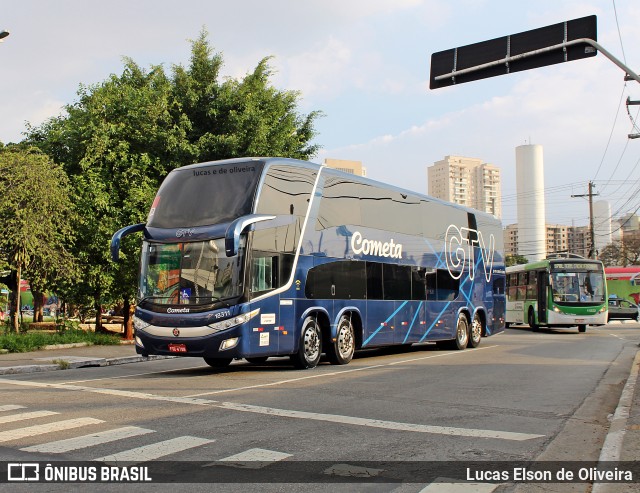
x,y
194,273
576,287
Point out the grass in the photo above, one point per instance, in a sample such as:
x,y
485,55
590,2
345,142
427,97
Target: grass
x,y
33,340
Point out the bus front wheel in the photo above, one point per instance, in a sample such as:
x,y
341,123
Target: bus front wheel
x,y
309,346
341,351
218,362
582,328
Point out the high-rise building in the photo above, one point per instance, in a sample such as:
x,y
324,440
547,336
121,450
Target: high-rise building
x,y
558,239
466,181
353,167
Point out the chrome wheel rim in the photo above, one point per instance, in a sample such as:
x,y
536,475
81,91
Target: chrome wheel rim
x,y
311,343
462,332
476,330
345,341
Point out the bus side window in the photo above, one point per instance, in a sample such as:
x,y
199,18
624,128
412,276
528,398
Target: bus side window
x,y
264,273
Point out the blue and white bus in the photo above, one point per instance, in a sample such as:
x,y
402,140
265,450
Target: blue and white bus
x,y
259,257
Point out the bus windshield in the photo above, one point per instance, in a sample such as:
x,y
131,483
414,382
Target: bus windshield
x,y
575,287
194,273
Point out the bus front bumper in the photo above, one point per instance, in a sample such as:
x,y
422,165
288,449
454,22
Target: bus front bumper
x,y
570,320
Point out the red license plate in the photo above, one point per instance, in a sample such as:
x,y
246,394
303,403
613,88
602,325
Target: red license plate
x,y
178,348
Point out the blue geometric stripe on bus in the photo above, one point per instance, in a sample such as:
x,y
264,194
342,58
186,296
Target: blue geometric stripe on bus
x,y
382,324
412,322
435,321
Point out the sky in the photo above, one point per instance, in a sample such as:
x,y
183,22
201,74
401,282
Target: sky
x,y
365,65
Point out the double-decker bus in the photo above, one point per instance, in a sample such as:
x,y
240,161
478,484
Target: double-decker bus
x,y
559,291
259,257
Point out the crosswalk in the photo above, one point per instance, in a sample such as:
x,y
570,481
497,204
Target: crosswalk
x,y
253,458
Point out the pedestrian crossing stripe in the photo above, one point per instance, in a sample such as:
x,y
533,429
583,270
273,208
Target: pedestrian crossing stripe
x,y
30,431
155,450
22,416
90,440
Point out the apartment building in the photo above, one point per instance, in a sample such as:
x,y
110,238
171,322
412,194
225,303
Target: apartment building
x,y
466,181
353,167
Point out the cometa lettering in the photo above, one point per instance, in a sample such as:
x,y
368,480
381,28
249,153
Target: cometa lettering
x,y
375,247
177,310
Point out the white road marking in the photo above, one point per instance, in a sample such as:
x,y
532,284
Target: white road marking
x,y
333,418
445,487
30,431
22,416
377,423
155,450
10,407
62,446
339,372
255,458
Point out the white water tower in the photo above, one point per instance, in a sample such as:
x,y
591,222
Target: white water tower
x,y
602,224
532,231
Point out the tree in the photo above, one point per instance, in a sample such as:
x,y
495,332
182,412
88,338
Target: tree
x,y
514,260
122,137
36,216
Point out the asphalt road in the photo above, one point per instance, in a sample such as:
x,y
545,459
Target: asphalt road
x,y
520,396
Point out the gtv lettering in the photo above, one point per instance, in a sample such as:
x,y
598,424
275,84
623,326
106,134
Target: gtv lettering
x,y
459,249
373,247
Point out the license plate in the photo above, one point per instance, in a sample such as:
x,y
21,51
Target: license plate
x,y
178,348
579,320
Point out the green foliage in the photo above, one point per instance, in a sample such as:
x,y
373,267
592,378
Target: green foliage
x,y
515,260
35,340
36,215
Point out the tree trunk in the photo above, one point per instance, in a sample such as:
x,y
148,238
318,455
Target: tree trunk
x,y
98,308
38,306
15,301
128,312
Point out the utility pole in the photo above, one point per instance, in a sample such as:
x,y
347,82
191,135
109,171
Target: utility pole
x,y
592,234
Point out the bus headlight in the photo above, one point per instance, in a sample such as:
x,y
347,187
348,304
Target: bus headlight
x,y
556,309
229,343
603,309
139,324
232,322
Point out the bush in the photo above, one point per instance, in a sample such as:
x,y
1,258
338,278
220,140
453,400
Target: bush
x,y
34,340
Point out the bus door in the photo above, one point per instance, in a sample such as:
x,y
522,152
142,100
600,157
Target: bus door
x,y
542,285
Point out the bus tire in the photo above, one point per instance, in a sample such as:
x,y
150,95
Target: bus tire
x,y
462,333
341,351
531,319
582,328
218,362
475,331
257,359
309,346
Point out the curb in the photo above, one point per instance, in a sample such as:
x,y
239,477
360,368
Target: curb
x,y
61,363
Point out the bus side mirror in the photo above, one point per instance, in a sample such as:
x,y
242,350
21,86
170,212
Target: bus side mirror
x,y
235,229
121,233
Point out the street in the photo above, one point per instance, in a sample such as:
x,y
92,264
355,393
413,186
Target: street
x,y
520,396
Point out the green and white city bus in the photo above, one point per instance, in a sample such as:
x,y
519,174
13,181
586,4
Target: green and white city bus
x,y
559,291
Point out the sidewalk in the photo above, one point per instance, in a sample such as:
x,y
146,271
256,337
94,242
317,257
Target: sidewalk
x,y
66,356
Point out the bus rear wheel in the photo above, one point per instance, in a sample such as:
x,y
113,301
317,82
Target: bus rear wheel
x,y
218,362
462,334
475,333
309,346
341,351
